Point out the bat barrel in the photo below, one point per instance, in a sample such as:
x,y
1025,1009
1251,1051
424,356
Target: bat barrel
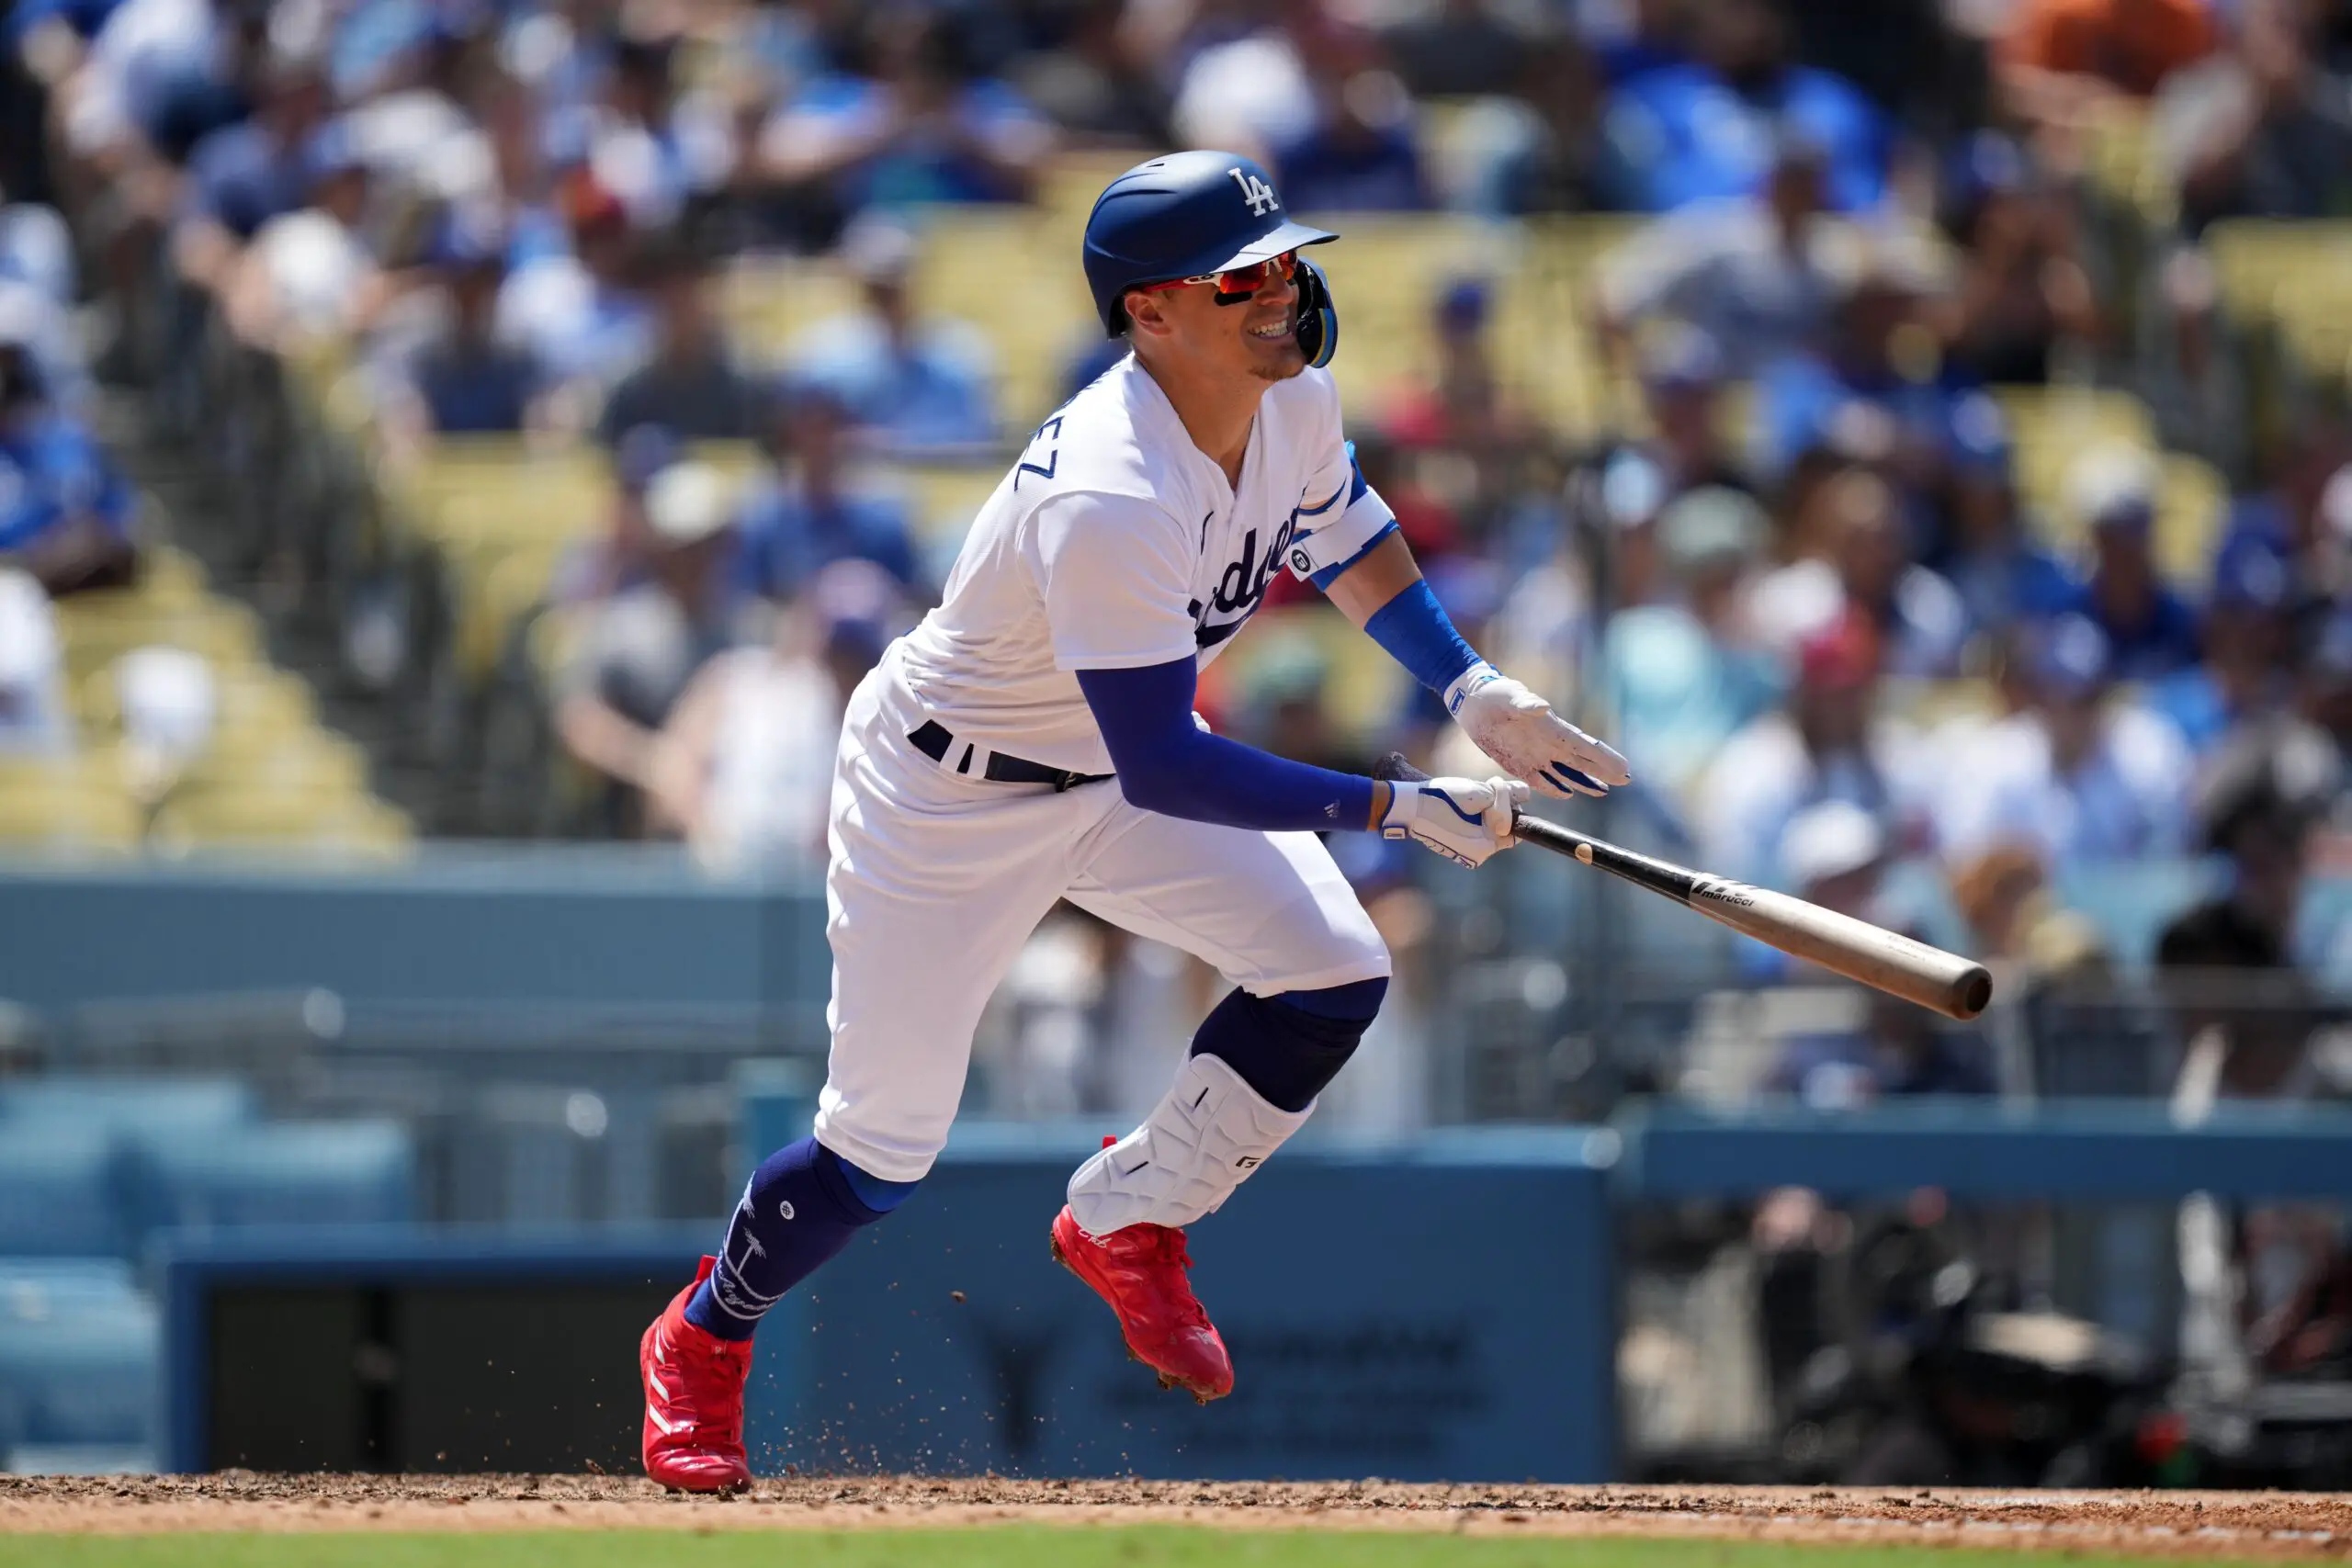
x,y
1971,993
1941,982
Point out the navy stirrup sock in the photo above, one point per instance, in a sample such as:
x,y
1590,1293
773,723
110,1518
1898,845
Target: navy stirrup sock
x,y
1287,1047
801,1208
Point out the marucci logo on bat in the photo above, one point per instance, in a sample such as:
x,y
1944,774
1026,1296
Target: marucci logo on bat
x,y
1736,894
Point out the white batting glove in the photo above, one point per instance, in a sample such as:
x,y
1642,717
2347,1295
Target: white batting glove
x,y
1527,740
1466,821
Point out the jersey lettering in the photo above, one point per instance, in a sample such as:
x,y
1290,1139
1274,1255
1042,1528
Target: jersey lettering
x,y
1240,588
1052,427
1256,192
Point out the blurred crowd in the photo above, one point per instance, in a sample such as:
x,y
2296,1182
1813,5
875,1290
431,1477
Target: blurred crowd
x,y
1866,631
1800,579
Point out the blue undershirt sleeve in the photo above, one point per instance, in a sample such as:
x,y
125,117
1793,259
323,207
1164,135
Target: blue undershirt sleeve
x,y
1169,764
1418,635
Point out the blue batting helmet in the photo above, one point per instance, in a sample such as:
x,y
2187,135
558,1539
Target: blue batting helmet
x,y
1190,214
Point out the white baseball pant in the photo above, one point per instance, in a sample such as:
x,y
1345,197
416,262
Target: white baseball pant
x,y
936,881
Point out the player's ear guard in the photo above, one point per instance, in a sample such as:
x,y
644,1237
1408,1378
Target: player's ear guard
x,y
1319,318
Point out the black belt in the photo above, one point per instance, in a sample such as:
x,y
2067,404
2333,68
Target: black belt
x,y
933,741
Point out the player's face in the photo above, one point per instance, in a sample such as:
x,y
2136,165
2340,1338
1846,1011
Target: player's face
x,y
1254,337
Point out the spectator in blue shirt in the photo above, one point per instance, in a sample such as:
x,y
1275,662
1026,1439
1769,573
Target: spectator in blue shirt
x,y
1536,150
1858,393
915,385
242,176
690,382
1986,550
586,316
463,380
659,152
2246,673
65,514
924,128
2149,632
1752,273
1358,155
1705,129
811,515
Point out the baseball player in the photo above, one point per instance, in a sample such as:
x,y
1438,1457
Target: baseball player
x,y
1034,739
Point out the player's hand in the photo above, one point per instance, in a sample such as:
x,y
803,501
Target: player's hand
x,y
1463,819
1527,740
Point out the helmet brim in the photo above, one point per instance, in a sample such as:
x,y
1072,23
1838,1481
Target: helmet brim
x,y
1289,237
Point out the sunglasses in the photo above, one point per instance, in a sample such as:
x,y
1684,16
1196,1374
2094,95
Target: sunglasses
x,y
1240,282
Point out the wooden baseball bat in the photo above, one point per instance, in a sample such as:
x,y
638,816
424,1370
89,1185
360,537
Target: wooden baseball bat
x,y
1942,982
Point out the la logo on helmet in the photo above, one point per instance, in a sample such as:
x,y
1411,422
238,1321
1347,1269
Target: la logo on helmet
x,y
1256,192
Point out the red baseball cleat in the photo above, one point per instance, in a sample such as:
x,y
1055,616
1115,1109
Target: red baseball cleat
x,y
693,1400
1140,1271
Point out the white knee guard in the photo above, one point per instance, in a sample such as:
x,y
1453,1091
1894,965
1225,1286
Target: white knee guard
x,y
1199,1143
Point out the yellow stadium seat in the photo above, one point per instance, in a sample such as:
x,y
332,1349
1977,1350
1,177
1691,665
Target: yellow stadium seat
x,y
2120,158
73,804
1066,192
999,270
249,700
320,822
2189,516
97,635
1927,704
2191,501
292,761
767,303
1386,273
2051,426
945,498
171,577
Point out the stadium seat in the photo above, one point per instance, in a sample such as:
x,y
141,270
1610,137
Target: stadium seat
x,y
357,1172
80,1360
258,819
2120,158
58,1191
127,1106
70,806
1004,273
1386,274
252,700
945,498
488,502
767,303
1066,193
304,760
98,630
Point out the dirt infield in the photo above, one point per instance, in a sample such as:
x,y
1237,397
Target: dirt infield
x,y
2215,1524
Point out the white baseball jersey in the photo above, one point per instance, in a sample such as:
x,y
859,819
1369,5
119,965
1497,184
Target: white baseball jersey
x,y
1116,542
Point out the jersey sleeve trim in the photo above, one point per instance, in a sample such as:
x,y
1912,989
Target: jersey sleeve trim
x,y
1335,546
1332,573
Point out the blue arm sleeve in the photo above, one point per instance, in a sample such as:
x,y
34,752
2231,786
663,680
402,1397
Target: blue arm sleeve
x,y
1418,635
1167,763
